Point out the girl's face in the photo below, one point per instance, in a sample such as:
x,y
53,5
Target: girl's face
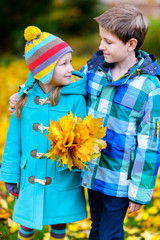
x,y
62,74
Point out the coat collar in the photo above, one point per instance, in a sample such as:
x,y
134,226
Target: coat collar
x,y
77,87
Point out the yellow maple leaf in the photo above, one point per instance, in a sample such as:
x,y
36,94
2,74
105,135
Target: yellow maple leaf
x,y
85,224
4,214
67,123
14,227
153,210
3,203
145,215
156,203
73,227
156,237
68,140
66,238
132,238
95,126
139,216
46,236
81,235
81,134
1,183
147,235
132,230
75,142
156,221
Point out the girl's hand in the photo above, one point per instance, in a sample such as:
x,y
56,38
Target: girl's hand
x,y
12,102
12,189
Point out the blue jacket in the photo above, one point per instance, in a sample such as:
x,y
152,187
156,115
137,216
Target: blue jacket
x,y
48,194
130,109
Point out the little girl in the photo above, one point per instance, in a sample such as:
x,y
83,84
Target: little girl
x,y
48,194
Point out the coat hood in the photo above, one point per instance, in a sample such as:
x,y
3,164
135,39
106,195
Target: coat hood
x,y
77,87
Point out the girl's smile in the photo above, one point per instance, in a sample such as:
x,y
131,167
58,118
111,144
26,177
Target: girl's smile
x,y
63,71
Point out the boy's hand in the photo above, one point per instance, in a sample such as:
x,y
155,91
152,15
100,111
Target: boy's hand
x,y
12,189
12,102
134,207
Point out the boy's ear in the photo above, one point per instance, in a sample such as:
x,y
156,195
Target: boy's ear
x,y
132,44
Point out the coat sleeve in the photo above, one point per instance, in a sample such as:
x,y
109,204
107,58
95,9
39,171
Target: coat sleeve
x,y
79,107
10,167
147,155
29,81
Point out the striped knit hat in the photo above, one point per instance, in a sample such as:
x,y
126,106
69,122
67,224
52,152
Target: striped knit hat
x,y
42,52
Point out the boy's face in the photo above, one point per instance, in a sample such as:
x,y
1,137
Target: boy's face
x,y
114,50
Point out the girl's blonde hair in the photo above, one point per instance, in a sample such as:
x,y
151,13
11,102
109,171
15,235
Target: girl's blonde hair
x,y
55,95
54,98
22,100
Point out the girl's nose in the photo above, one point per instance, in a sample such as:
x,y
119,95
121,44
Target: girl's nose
x,y
71,69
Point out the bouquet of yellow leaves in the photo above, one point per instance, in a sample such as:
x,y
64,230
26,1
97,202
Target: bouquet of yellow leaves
x,y
75,142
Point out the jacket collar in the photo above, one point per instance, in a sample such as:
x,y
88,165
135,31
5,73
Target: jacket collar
x,y
147,63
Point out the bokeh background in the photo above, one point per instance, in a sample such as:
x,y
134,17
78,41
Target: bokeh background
x,y
72,20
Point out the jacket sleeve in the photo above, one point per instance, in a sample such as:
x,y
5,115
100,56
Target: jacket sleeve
x,y
147,154
10,167
84,69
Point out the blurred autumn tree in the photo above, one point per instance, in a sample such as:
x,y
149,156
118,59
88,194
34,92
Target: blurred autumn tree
x,y
60,17
75,16
72,20
15,15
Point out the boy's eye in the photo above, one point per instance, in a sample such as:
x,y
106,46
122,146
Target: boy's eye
x,y
108,42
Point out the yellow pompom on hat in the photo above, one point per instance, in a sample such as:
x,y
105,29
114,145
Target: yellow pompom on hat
x,y
42,51
31,33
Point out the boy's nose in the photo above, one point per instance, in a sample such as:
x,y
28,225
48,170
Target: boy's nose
x,y
101,46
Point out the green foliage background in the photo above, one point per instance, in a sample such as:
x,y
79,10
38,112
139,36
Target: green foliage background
x,y
72,20
67,19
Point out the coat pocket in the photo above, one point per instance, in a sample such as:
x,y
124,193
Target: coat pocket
x,y
67,180
23,173
61,168
132,158
130,99
154,134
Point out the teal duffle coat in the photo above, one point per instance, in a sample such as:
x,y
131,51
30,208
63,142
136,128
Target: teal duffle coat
x,y
48,194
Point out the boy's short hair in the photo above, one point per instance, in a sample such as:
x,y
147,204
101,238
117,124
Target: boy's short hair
x,y
126,22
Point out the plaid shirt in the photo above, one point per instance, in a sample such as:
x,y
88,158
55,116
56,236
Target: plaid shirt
x,y
130,108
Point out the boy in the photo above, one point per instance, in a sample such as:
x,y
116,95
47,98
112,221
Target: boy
x,y
123,89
